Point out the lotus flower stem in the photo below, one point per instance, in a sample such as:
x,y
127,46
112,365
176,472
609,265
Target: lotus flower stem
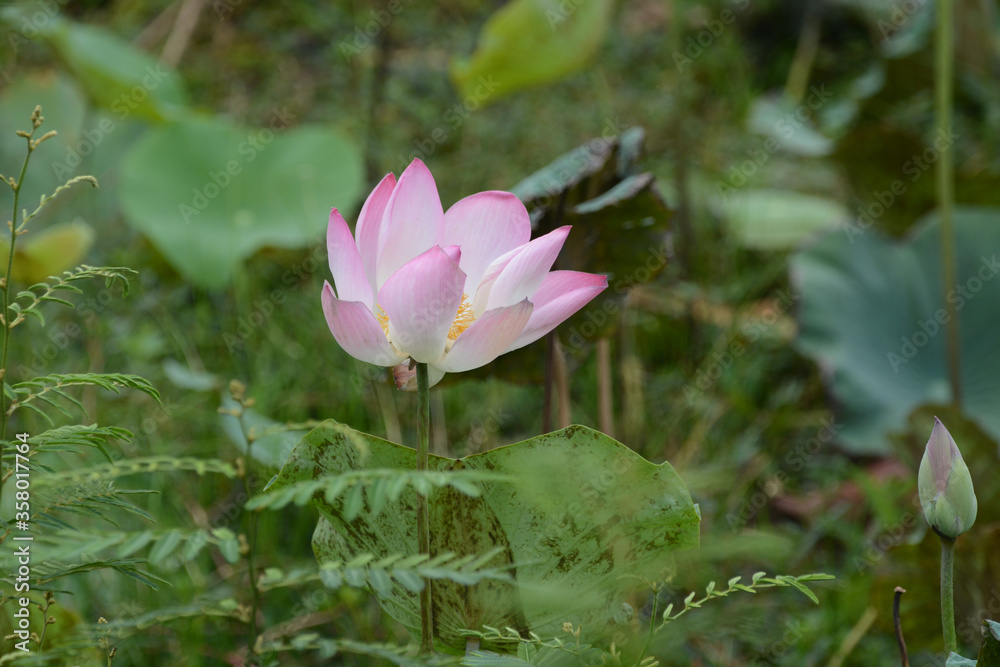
x,y
423,518
948,594
944,74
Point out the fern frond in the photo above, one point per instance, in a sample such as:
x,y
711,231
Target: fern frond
x,y
28,301
532,650
93,500
404,656
758,581
374,487
107,472
70,544
50,571
71,438
45,199
48,387
365,571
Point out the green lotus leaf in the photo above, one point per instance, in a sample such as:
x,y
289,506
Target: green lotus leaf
x,y
873,316
209,194
530,42
579,518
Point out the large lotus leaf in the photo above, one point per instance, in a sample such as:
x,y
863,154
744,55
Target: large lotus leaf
x,y
779,219
115,74
209,194
582,520
529,42
872,314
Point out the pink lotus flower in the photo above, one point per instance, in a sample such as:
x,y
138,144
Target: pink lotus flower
x,y
453,290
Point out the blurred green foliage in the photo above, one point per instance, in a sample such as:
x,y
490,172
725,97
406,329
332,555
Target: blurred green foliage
x,y
814,103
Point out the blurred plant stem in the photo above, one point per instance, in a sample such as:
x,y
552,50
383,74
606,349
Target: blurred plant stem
x,y
36,118
376,93
238,392
423,518
605,398
948,594
944,77
805,53
685,231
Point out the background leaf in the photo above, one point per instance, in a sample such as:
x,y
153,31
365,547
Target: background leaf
x,y
779,219
210,194
115,74
529,42
49,251
871,314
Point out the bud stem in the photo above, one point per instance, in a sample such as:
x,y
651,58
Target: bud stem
x,y
423,515
948,594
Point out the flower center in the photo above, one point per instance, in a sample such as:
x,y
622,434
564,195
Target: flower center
x,y
463,319
383,319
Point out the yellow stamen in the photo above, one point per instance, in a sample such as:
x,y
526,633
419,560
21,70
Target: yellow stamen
x,y
463,318
383,319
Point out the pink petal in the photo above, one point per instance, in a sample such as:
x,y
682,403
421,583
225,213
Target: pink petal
x,y
370,222
345,262
526,270
486,225
482,296
357,330
488,337
421,300
412,223
406,378
454,253
561,294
